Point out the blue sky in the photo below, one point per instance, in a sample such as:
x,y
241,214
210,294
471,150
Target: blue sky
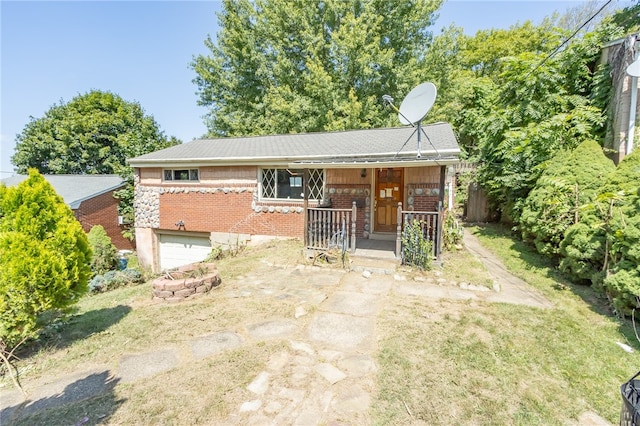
x,y
52,51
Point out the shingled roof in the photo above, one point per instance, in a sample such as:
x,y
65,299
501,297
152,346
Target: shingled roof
x,y
75,189
398,144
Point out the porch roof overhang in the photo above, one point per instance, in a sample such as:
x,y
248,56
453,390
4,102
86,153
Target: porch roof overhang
x,y
377,162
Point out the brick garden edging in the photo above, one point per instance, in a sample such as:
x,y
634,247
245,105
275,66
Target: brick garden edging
x,y
186,282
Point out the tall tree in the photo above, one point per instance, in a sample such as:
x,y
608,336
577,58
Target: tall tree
x,y
280,66
532,106
94,133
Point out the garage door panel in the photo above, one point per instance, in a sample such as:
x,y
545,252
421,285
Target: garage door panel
x,y
178,250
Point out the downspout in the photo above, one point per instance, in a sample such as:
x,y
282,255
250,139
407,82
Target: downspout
x,y
634,71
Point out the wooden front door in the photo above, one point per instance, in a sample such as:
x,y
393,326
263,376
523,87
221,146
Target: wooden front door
x,y
389,192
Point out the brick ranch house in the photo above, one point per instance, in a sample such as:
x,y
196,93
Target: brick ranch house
x,y
91,200
358,185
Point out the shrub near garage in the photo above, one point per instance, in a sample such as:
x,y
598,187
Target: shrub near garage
x,y
105,254
114,279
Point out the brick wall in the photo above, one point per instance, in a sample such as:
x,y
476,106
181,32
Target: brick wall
x,y
233,212
103,210
343,196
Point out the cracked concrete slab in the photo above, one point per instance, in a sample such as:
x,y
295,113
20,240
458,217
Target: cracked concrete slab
x,y
140,366
272,329
340,331
217,342
353,303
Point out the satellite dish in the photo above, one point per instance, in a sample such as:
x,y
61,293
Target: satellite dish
x,y
417,103
634,69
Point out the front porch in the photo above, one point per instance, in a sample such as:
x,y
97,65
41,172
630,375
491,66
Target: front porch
x,y
335,229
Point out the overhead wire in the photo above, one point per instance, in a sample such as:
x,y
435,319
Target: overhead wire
x,y
568,39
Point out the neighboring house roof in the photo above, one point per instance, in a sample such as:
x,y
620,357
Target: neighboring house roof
x,y
398,144
75,189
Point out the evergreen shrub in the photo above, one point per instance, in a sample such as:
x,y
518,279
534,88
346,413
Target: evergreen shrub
x,y
44,255
570,181
105,254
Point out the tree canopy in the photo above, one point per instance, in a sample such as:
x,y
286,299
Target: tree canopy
x,y
44,255
281,66
94,133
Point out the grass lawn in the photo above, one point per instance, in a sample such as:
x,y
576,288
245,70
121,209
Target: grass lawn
x,y
448,362
439,361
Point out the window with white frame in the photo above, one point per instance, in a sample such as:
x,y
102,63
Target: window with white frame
x,y
181,174
288,184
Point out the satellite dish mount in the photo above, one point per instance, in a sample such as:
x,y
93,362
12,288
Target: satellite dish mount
x,y
414,108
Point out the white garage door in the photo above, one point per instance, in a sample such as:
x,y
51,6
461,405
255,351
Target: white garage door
x,y
178,250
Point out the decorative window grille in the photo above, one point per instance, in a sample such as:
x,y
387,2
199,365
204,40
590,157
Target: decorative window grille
x,y
288,184
181,174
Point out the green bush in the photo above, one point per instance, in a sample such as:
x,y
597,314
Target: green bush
x,y
452,231
622,278
582,251
416,246
115,279
605,246
44,255
570,180
105,254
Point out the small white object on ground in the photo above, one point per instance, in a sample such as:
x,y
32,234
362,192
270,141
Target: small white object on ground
x,y
625,347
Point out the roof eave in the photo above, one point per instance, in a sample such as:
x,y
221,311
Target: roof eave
x,y
272,161
75,204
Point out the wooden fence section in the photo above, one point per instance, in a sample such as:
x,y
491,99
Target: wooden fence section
x,y
431,224
331,228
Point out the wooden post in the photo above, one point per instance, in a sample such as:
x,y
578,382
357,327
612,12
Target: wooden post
x,y
399,231
439,230
305,185
354,212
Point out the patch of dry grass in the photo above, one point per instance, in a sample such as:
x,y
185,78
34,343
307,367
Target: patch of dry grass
x,y
205,391
127,320
448,362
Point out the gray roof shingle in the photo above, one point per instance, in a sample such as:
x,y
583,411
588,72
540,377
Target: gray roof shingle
x,y
75,189
352,144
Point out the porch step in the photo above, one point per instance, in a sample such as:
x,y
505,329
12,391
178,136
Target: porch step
x,y
373,265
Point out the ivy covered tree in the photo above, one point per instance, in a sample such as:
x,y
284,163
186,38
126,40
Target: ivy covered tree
x,y
45,258
521,106
94,133
570,181
281,66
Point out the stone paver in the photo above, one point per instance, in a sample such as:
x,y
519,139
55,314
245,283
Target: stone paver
x,y
272,329
340,331
352,303
140,366
65,390
217,342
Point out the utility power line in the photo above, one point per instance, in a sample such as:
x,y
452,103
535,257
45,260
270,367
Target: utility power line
x,y
568,39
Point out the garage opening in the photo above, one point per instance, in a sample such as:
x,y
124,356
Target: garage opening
x,y
180,249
